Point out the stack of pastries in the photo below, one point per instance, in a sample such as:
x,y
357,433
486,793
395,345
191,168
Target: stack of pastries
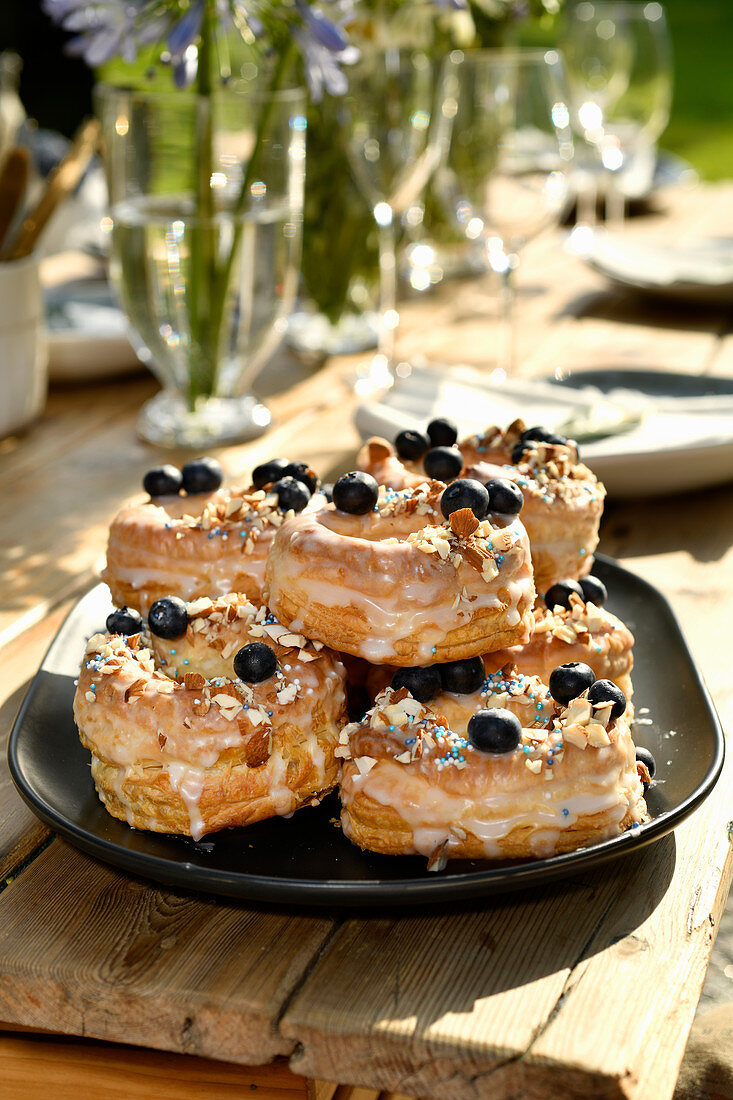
x,y
440,596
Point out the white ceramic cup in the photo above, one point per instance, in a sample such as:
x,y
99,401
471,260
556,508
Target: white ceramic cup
x,y
23,350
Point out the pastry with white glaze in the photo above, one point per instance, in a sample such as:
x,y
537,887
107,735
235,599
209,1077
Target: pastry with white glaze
x,y
188,747
563,500
413,781
401,584
580,632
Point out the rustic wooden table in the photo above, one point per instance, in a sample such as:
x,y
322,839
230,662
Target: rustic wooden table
x,y
582,989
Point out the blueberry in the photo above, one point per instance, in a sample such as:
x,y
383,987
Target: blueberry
x,y
124,621
538,434
268,472
465,493
202,475
301,471
594,591
646,757
605,691
168,617
462,677
163,481
326,487
495,730
442,432
355,493
521,450
254,663
560,592
411,445
569,681
443,463
422,683
505,496
291,494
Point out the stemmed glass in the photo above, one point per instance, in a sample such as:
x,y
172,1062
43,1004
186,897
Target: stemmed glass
x,y
393,150
619,64
506,149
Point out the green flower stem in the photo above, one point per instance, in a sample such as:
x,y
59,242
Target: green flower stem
x,y
220,284
204,356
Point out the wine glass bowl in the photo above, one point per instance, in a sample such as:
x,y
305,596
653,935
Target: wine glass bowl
x,y
393,150
506,150
619,63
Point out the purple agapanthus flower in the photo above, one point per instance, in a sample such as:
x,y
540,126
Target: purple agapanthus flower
x,y
104,29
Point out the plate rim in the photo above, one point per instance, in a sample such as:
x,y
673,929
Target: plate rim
x,y
369,892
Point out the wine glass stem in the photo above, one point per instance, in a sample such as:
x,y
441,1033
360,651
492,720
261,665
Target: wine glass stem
x,y
615,201
507,325
587,201
387,291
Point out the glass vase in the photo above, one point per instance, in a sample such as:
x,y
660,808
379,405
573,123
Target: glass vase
x,y
206,208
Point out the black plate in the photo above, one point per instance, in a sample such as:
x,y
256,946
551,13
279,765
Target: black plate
x,y
307,859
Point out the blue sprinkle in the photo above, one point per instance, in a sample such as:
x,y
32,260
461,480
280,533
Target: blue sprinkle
x,y
243,534
565,813
434,649
582,551
173,651
391,729
211,534
186,661
93,687
270,713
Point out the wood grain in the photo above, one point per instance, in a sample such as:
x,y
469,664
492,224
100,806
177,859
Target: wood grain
x,y
35,1068
89,951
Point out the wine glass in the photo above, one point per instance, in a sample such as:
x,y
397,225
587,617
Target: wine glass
x,y
619,64
393,150
506,150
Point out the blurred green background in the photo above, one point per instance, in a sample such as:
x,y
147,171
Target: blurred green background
x,y
56,90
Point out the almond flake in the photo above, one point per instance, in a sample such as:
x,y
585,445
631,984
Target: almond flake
x,y
135,688
258,748
463,523
194,681
404,757
378,450
364,764
199,607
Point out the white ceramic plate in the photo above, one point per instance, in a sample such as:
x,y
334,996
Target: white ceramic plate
x,y
697,271
678,428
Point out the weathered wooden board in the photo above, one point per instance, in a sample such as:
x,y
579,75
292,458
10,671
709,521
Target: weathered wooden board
x,y
39,1067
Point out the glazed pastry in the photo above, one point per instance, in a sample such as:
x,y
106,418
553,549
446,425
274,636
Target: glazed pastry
x,y
397,582
563,505
563,500
216,747
580,631
420,779
202,544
